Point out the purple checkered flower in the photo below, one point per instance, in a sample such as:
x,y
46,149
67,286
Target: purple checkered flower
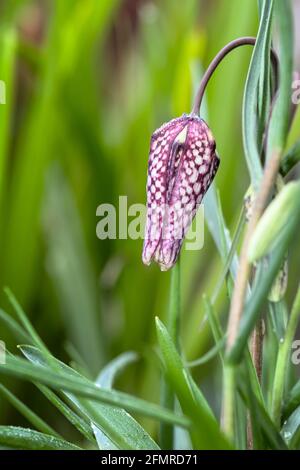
x,y
182,165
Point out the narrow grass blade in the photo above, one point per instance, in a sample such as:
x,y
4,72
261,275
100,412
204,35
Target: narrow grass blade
x,y
37,341
291,430
20,368
214,220
284,351
264,85
260,6
27,439
261,289
230,256
19,333
68,413
72,272
211,354
272,226
136,436
204,436
291,159
269,437
31,416
8,43
214,322
252,151
279,125
292,401
219,336
110,372
118,428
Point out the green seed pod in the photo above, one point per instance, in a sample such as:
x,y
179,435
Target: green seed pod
x,y
250,197
279,214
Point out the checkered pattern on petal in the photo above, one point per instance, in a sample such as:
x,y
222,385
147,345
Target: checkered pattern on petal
x,y
188,165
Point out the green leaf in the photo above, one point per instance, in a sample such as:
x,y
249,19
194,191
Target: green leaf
x,y
272,225
17,367
252,149
290,430
260,6
30,415
68,413
26,324
214,322
23,336
71,270
83,388
231,258
264,86
292,401
8,43
18,332
218,230
134,435
263,282
206,435
291,158
219,336
267,436
109,373
120,429
27,439
211,354
116,422
284,351
280,120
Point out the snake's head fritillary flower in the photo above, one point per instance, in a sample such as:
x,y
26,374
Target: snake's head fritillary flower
x,y
182,165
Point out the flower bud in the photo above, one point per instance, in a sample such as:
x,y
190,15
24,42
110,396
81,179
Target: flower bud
x,y
182,165
276,218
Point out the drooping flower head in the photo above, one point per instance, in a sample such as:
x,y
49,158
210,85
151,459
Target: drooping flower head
x,y
182,165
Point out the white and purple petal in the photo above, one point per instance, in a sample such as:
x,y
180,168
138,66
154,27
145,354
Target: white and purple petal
x,y
182,165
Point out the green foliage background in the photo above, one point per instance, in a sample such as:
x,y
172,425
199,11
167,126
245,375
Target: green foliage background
x,y
87,83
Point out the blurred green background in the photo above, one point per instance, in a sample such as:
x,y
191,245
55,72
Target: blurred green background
x,y
87,82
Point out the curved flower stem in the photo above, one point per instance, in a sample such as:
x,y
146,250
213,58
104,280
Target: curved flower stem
x,y
244,41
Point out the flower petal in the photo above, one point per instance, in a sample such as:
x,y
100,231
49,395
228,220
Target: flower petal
x,y
182,165
157,183
197,168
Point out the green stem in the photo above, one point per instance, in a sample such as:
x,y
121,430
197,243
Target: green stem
x,y
282,360
167,394
174,308
229,401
